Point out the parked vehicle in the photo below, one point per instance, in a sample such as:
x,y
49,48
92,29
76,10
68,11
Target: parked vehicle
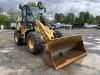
x,y
68,26
77,25
90,26
58,25
53,26
2,27
13,26
98,26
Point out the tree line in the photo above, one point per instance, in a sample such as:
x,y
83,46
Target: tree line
x,y
83,17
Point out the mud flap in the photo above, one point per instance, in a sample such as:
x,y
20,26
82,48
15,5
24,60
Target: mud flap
x,y
60,52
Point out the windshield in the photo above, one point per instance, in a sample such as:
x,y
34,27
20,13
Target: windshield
x,y
32,13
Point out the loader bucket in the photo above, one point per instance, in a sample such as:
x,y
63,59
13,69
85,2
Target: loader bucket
x,y
60,52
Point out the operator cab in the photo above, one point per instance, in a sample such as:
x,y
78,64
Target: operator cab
x,y
29,14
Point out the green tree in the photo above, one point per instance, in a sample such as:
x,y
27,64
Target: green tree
x,y
86,17
31,3
40,4
81,17
4,20
1,10
76,20
91,20
50,21
97,18
70,18
57,17
62,18
13,14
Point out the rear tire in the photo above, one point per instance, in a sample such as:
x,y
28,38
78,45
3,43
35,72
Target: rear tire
x,y
17,38
34,43
58,34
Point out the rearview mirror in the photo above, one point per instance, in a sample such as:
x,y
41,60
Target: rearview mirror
x,y
20,6
44,9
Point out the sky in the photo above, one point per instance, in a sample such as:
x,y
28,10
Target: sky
x,y
58,6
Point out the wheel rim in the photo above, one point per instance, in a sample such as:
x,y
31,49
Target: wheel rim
x,y
30,43
16,38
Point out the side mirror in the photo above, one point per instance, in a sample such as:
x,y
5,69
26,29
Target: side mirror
x,y
20,6
44,9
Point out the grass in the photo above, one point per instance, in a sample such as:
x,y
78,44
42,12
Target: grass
x,y
2,40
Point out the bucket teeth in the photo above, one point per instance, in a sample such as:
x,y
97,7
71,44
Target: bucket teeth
x,y
63,51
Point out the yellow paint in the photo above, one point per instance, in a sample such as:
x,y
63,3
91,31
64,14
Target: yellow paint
x,y
44,31
30,43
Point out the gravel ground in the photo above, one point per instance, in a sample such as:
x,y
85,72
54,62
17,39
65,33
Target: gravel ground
x,y
17,60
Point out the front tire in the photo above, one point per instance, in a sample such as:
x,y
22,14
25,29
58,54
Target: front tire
x,y
58,34
17,38
34,43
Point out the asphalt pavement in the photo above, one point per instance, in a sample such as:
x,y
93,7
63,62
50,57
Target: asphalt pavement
x,y
17,60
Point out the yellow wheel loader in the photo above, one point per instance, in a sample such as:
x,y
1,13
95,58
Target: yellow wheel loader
x,y
33,30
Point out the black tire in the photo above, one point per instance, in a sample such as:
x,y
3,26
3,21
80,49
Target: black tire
x,y
58,34
17,38
36,43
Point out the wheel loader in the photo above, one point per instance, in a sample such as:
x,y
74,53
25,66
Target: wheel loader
x,y
33,29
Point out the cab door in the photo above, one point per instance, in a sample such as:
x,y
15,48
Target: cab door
x,y
24,21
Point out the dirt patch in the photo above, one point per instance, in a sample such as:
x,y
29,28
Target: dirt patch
x,y
2,40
